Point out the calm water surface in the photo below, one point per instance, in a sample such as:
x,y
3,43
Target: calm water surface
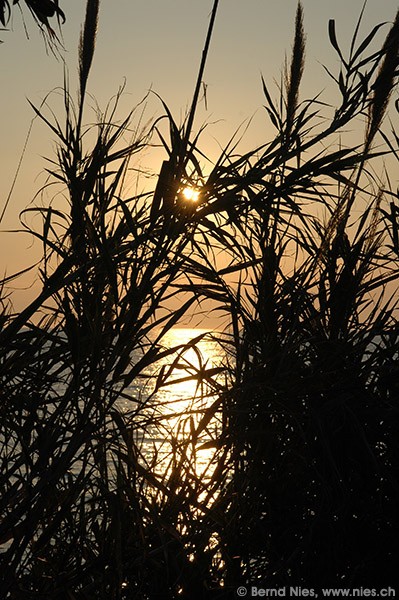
x,y
175,410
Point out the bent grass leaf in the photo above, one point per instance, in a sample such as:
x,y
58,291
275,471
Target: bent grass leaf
x,y
334,43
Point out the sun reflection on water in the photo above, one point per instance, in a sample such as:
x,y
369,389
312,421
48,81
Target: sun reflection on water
x,y
181,395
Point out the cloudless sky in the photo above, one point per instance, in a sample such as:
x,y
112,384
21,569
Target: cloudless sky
x,y
157,44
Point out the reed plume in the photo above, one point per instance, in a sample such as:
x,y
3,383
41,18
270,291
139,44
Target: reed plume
x,y
384,82
293,79
87,44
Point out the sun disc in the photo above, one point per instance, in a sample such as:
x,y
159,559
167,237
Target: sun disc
x,y
191,194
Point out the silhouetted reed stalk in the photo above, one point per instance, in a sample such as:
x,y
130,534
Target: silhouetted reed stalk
x,y
301,419
294,76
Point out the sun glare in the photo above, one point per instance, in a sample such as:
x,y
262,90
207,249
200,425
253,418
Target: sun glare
x,y
190,193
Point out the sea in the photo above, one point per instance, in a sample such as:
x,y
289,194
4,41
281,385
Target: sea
x,y
175,404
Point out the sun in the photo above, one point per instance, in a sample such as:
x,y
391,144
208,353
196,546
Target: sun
x,y
191,194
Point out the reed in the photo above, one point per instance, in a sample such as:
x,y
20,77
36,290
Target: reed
x,y
301,418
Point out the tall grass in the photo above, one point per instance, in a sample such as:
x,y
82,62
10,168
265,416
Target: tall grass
x,y
301,487
312,404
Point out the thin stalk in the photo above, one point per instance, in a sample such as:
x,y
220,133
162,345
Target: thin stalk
x,y
194,103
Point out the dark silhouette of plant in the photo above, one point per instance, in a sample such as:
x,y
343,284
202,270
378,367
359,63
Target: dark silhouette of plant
x,y
41,11
311,414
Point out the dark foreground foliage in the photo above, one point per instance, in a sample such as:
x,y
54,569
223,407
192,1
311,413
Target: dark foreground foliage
x,y
301,487
43,13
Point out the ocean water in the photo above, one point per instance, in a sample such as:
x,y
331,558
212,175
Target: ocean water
x,y
177,400
172,411
181,370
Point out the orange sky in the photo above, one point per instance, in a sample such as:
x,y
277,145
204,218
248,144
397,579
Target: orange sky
x,y
158,44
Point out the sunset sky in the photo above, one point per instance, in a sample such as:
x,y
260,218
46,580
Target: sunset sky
x,y
157,44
